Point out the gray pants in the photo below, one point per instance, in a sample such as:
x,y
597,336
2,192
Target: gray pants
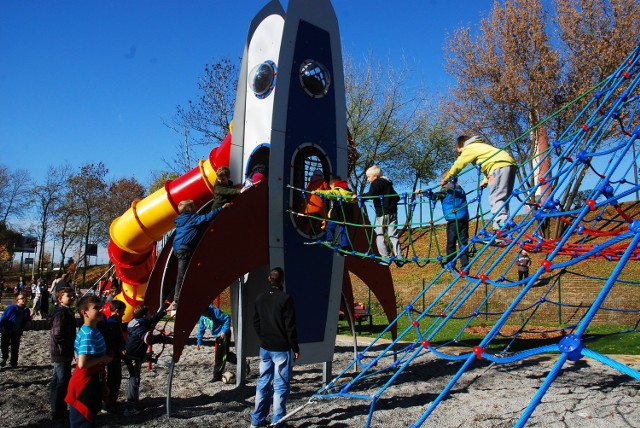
x,y
501,185
390,223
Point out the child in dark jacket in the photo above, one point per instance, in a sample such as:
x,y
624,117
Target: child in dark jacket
x,y
12,323
139,337
112,330
61,339
186,238
386,207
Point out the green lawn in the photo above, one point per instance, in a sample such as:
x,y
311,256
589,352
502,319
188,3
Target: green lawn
x,y
606,339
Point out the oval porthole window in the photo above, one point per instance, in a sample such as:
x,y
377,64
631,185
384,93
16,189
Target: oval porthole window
x,y
262,79
314,78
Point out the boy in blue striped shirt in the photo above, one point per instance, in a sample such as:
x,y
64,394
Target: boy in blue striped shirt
x,y
85,391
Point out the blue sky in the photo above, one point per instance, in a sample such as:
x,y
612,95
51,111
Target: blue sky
x,y
88,81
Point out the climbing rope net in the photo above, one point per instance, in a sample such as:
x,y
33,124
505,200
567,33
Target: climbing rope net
x,y
596,154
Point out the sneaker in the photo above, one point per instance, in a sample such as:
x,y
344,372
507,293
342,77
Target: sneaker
x,y
216,377
131,412
384,262
399,263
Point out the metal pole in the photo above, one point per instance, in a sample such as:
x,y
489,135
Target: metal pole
x,y
169,381
33,265
241,363
486,302
635,168
53,254
560,300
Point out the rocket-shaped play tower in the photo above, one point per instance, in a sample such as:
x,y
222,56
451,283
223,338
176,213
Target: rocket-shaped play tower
x,y
290,117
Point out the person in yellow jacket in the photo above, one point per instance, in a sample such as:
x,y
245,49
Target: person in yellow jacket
x,y
498,167
338,195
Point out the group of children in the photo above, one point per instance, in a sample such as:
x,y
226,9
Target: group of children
x,y
188,222
385,202
496,164
100,346
498,167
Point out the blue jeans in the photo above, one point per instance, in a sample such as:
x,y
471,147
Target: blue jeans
x,y
59,384
275,367
343,239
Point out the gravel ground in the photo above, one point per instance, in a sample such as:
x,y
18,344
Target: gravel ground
x,y
586,394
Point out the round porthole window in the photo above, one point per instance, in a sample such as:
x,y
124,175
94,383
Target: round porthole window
x,y
262,79
314,78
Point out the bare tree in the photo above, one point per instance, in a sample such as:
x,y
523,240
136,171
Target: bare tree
x,y
506,77
388,120
64,225
86,193
47,198
15,194
205,121
596,35
121,193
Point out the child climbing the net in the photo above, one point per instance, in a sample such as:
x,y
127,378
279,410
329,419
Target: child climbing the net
x,y
498,167
454,208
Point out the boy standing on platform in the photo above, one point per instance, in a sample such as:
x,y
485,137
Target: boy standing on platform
x,y
455,211
386,207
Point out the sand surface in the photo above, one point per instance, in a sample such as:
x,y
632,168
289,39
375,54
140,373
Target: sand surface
x,y
587,394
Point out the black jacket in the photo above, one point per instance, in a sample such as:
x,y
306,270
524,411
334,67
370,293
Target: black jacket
x,y
389,203
63,334
137,330
275,321
111,330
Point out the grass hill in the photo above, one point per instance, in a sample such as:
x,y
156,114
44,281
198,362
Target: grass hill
x,y
574,288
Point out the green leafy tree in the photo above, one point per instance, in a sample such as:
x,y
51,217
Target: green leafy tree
x,y
158,179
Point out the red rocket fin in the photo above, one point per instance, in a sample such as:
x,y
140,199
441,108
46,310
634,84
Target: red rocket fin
x,y
236,242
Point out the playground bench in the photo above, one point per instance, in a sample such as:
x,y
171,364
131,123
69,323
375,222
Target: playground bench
x,y
361,313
